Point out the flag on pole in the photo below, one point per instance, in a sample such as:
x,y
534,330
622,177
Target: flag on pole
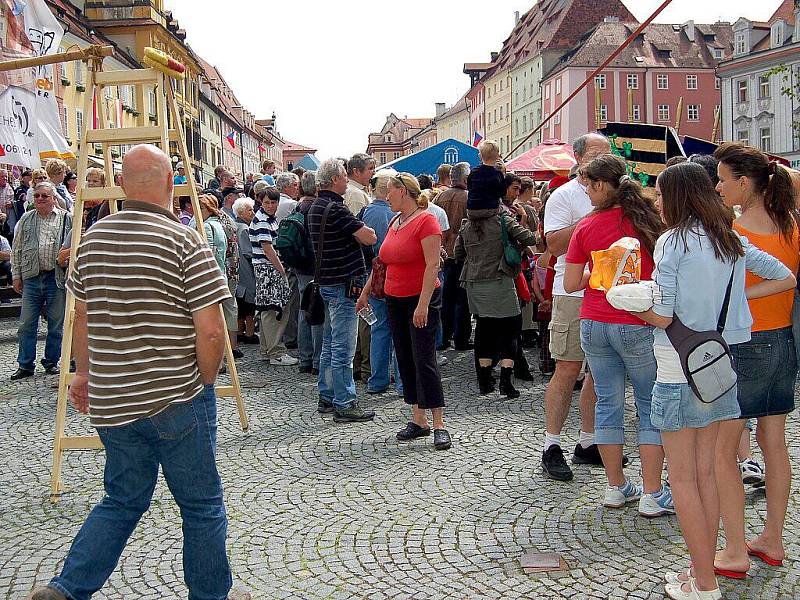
x,y
231,137
477,139
261,147
30,125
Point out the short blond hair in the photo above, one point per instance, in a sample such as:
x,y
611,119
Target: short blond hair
x,y
96,171
55,166
38,173
489,151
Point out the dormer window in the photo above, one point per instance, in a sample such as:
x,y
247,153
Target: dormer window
x,y
740,43
777,34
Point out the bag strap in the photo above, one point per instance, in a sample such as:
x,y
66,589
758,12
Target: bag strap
x,y
503,229
723,315
318,260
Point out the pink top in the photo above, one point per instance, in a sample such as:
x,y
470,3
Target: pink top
x,y
402,254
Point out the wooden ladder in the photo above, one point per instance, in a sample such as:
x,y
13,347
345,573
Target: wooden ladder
x,y
160,134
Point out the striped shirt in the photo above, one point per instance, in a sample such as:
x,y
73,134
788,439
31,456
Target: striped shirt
x,y
263,228
341,253
141,275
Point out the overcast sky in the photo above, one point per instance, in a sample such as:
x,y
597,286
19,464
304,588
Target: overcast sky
x,y
333,71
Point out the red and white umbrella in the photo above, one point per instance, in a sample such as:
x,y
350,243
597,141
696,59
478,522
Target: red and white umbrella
x,y
548,159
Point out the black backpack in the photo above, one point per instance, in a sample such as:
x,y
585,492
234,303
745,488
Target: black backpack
x,y
293,243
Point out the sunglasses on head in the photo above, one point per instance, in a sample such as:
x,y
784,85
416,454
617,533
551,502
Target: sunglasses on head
x,y
400,179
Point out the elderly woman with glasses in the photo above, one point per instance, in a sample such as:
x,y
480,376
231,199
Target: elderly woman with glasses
x,y
410,252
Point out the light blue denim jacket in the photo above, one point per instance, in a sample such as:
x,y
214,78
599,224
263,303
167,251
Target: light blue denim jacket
x,y
692,282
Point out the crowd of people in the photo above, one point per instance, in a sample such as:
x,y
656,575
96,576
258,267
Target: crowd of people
x,y
350,273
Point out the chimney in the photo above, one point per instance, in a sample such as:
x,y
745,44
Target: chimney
x,y
516,18
440,109
689,28
494,56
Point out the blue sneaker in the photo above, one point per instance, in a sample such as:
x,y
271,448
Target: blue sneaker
x,y
617,497
658,504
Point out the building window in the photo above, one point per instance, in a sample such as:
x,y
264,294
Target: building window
x,y
524,123
151,95
777,34
547,92
78,72
604,112
766,139
663,82
743,136
691,82
79,123
740,43
516,126
501,85
557,118
558,86
600,81
693,112
501,112
508,110
742,87
636,113
719,53
383,158
633,81
717,83
663,112
764,88
396,155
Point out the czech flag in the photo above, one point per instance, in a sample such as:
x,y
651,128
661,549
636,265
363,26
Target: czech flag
x,y
477,139
261,148
231,137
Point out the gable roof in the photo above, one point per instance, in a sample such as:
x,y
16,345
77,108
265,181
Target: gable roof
x,y
555,24
660,45
786,12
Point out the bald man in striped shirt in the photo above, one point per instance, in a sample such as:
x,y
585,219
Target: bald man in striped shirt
x,y
148,342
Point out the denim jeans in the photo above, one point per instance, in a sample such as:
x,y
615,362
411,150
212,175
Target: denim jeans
x,y
339,335
181,439
309,339
381,351
612,351
456,320
38,292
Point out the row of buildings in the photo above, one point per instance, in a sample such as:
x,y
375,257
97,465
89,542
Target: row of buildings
x,y
708,81
219,129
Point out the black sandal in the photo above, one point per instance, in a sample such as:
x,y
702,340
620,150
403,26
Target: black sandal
x,y
412,432
441,439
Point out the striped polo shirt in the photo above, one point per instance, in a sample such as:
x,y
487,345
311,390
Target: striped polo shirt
x,y
342,255
263,229
142,274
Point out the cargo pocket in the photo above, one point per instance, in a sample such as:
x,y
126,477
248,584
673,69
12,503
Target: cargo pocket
x,y
665,409
558,338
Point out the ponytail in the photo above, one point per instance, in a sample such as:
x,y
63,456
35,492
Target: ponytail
x,y
779,200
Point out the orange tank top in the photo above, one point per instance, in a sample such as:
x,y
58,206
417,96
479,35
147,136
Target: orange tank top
x,y
772,312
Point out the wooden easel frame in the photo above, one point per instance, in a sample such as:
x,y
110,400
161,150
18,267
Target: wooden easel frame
x,y
162,134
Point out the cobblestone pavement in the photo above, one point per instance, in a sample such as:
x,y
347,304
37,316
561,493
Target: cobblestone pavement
x,y
319,510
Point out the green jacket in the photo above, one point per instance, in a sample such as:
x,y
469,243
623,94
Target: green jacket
x,y
480,245
25,253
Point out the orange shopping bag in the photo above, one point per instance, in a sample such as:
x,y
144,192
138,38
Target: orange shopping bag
x,y
620,264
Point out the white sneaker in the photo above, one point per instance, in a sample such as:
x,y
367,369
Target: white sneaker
x,y
658,504
618,497
752,472
284,361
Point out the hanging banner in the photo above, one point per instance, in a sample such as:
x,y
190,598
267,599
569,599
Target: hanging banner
x,y
30,127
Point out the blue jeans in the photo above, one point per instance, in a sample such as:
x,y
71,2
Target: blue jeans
x,y
181,439
309,339
339,336
381,350
613,351
38,292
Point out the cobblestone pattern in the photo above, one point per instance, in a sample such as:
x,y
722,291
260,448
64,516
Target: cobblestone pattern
x,y
319,510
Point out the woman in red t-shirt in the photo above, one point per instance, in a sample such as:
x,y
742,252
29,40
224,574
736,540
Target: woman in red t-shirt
x,y
410,252
615,342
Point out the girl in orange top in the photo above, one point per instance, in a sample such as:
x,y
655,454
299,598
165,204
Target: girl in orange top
x,y
767,364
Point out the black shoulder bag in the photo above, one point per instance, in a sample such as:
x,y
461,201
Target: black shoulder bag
x,y
311,303
705,357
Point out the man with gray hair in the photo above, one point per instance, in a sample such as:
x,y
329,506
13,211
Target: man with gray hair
x,y
456,318
360,169
565,207
342,275
288,185
37,275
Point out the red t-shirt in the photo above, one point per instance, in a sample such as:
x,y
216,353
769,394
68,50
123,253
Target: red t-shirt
x,y
402,254
597,231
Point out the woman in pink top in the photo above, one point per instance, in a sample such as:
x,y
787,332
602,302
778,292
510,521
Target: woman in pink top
x,y
410,252
617,343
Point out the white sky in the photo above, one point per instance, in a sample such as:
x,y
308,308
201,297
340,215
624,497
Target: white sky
x,y
333,71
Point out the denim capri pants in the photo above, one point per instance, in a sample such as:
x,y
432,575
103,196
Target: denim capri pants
x,y
614,351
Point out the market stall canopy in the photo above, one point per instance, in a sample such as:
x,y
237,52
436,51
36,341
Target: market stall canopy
x,y
548,159
428,160
309,162
645,148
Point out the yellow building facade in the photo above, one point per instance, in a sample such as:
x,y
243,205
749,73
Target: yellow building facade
x,y
498,109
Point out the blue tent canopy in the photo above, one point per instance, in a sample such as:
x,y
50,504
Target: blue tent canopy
x,y
428,160
309,162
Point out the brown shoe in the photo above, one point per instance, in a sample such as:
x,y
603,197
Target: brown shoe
x,y
46,593
239,594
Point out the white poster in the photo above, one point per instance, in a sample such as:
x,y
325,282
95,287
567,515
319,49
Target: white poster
x,y
30,128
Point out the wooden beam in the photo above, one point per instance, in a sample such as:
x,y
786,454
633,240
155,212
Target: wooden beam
x,y
90,53
131,77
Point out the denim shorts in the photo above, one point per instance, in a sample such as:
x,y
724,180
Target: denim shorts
x,y
767,368
675,407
